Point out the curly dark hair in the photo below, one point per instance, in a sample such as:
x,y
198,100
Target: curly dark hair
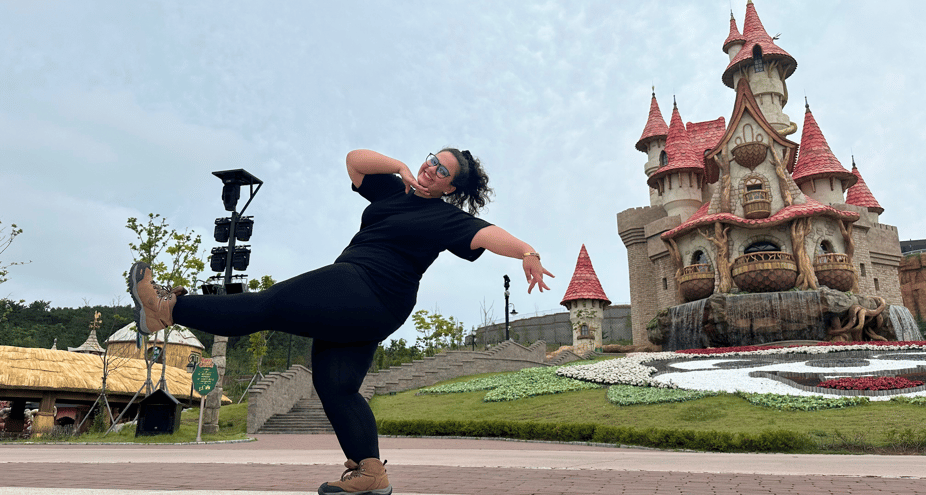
x,y
472,184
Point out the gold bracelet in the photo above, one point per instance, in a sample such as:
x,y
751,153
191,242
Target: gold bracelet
x,y
531,254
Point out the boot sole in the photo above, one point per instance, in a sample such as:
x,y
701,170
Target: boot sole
x,y
382,491
136,274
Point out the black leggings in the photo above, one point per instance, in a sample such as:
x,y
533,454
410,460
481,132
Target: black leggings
x,y
337,309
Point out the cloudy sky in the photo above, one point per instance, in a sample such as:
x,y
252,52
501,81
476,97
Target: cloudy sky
x,y
110,110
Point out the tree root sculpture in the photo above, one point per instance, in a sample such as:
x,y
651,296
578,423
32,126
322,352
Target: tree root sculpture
x,y
860,322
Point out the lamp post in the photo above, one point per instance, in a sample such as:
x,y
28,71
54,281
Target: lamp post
x,y
473,336
507,286
190,368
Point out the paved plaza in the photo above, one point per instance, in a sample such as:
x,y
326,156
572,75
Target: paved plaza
x,y
289,464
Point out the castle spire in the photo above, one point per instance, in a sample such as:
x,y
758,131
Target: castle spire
x,y
734,37
679,154
816,160
860,195
584,283
756,36
655,126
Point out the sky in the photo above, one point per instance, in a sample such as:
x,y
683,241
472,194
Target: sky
x,y
111,110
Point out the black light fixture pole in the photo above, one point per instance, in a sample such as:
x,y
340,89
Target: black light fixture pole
x,y
507,286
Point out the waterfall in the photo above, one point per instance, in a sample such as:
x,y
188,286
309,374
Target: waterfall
x,y
774,316
687,320
905,326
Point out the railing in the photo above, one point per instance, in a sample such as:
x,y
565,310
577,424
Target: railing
x,y
699,268
764,256
757,204
830,258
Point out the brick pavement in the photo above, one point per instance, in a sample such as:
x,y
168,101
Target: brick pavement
x,y
288,464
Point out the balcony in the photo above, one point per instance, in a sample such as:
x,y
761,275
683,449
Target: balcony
x,y
835,271
757,204
696,282
765,271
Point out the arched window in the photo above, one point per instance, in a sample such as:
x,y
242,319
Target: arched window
x,y
584,330
754,184
761,246
699,258
663,158
757,58
826,247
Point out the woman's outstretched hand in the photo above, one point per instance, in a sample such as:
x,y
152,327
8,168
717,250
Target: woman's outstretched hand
x,y
410,182
535,272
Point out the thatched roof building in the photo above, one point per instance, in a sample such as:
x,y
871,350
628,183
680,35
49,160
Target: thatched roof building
x,y
50,376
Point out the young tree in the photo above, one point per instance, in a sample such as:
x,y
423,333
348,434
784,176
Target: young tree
x,y
5,240
184,259
257,345
437,332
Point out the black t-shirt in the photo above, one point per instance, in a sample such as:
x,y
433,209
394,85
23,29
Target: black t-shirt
x,y
401,235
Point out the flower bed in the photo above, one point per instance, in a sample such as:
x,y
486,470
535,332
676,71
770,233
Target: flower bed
x,y
528,382
870,383
633,369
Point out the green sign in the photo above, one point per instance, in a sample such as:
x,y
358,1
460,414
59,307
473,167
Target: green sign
x,y
204,379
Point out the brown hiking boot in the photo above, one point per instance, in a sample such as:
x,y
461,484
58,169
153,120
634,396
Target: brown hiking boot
x,y
366,478
154,303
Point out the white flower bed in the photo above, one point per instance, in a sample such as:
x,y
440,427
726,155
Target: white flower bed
x,y
632,370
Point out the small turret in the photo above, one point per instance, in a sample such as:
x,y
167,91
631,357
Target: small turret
x,y
680,176
860,195
734,42
585,300
818,173
653,142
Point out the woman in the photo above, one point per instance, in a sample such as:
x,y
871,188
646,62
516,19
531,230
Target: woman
x,y
349,307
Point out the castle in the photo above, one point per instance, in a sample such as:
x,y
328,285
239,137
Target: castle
x,y
739,207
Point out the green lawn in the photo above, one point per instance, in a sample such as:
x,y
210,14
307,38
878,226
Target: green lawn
x,y
880,426
232,426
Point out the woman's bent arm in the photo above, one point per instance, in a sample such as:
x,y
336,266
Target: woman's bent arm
x,y
369,162
500,242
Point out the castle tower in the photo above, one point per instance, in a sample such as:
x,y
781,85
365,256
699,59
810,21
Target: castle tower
x,y
818,173
860,195
734,42
680,175
585,300
764,65
653,143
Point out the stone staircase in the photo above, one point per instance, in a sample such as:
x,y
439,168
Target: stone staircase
x,y
306,417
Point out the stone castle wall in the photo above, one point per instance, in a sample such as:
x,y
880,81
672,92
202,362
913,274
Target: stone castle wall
x,y
913,284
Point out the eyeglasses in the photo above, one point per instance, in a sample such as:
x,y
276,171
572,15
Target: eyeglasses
x,y
442,171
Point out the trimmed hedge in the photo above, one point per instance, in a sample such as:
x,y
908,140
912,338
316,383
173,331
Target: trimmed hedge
x,y
765,441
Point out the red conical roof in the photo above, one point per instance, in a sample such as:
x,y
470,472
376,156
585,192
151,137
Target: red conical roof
x,y
816,160
734,36
860,195
681,156
655,125
584,283
755,34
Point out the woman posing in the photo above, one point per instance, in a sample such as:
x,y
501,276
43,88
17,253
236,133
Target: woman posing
x,y
350,306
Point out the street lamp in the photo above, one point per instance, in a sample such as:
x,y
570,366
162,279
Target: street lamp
x,y
473,336
507,286
235,227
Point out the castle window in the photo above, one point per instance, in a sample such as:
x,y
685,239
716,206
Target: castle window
x,y
665,283
584,331
757,59
826,247
877,288
861,269
761,246
663,158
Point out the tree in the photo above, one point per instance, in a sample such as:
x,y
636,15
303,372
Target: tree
x,y
257,343
437,332
5,240
184,262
